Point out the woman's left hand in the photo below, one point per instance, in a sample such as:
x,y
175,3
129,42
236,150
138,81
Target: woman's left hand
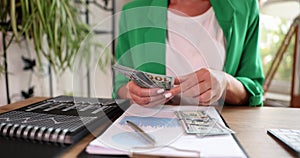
x,y
205,85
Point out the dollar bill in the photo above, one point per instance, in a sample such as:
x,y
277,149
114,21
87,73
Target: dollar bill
x,y
145,79
201,124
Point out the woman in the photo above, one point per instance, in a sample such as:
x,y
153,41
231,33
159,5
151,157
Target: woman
x,y
151,36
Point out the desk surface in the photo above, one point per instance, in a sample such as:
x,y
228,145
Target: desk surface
x,y
249,123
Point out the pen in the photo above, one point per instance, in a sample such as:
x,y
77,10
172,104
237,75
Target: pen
x,y
141,132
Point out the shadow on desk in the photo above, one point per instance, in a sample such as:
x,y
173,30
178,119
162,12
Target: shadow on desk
x,y
18,149
14,149
84,154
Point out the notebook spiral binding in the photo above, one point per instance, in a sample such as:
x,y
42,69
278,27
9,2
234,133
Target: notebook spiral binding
x,y
34,133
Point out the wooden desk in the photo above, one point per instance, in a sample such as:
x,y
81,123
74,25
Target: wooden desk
x,y
250,125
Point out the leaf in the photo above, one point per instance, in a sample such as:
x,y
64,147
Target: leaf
x,y
28,94
13,19
29,63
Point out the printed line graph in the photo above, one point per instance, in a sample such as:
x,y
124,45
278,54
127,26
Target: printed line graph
x,y
154,122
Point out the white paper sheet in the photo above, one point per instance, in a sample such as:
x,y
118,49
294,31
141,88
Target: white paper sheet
x,y
171,140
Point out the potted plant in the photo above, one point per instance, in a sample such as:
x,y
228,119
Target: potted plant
x,y
54,26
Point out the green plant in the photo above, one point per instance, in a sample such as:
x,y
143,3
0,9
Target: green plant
x,y
54,26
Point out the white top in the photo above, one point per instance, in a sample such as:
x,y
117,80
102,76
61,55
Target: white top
x,y
193,43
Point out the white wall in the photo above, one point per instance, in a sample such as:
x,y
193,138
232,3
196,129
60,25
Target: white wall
x,y
70,82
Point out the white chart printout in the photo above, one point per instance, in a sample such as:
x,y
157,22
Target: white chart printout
x,y
163,126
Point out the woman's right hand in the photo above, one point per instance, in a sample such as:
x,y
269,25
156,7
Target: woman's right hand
x,y
142,96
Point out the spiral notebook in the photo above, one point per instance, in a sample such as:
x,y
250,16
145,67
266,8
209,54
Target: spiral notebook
x,y
60,120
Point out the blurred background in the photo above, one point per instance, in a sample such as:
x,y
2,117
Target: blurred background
x,y
25,77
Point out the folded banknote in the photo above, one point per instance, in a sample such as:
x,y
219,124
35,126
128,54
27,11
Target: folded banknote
x,y
145,79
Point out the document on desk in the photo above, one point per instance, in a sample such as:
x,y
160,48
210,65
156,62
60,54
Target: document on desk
x,y
161,124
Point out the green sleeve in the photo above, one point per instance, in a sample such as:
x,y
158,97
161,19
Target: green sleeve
x,y
141,40
121,48
250,72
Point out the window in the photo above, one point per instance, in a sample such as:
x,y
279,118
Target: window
x,y
273,31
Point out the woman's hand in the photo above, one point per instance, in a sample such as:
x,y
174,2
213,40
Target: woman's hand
x,y
142,96
205,85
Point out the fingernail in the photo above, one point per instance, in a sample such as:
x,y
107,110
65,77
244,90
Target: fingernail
x,y
168,95
160,91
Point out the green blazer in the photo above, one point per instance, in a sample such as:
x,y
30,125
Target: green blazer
x,y
142,39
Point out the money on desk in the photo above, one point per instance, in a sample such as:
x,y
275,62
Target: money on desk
x,y
201,124
145,79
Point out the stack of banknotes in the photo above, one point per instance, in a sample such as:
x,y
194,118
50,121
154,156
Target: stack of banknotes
x,y
201,124
145,79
